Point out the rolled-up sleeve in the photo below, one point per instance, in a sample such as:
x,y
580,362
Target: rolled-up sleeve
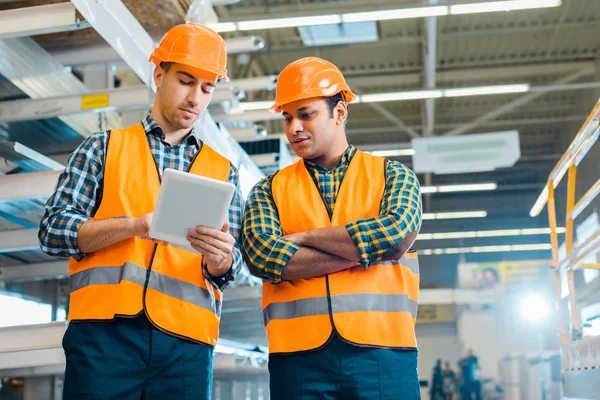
x,y
400,215
74,199
235,228
265,250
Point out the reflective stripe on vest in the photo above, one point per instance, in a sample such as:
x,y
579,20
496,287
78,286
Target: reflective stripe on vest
x,y
376,306
295,309
130,272
342,303
412,263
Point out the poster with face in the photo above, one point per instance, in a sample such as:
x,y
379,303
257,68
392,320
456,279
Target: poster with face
x,y
483,276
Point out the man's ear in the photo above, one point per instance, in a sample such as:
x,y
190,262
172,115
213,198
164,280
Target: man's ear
x,y
341,113
159,74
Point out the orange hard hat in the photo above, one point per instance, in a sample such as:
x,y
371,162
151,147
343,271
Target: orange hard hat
x,y
307,78
194,45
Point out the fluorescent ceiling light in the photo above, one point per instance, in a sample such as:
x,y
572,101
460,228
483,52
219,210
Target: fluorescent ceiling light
x,y
455,215
481,234
487,249
509,5
429,189
381,15
539,203
446,235
419,12
395,96
393,153
288,22
418,95
476,187
485,90
225,27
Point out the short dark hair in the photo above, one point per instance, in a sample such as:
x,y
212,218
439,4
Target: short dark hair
x,y
333,101
166,65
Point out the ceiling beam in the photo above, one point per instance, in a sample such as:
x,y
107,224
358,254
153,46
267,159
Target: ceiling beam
x,y
126,98
429,73
534,71
31,69
395,120
18,240
501,123
26,158
27,185
103,54
517,103
35,271
122,31
40,20
390,116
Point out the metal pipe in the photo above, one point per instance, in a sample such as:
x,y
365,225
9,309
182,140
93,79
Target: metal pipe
x,y
575,326
587,198
244,44
554,242
577,149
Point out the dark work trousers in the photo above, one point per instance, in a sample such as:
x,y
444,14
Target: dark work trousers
x,y
471,391
128,358
341,371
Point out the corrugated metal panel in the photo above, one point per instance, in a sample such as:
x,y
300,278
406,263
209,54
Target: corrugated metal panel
x,y
21,214
33,70
47,136
25,257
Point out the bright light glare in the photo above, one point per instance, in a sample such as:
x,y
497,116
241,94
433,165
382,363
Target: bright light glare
x,y
19,311
393,153
535,308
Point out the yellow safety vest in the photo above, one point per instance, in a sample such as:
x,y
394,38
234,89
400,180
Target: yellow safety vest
x,y
166,282
374,307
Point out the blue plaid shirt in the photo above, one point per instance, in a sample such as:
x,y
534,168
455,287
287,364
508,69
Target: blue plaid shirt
x,y
76,197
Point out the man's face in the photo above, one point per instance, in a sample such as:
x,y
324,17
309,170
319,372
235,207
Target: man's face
x,y
489,277
309,127
184,93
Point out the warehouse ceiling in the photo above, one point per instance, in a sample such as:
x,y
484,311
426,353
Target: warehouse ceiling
x,y
545,47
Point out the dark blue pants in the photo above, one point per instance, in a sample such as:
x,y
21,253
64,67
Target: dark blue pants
x,y
340,371
129,358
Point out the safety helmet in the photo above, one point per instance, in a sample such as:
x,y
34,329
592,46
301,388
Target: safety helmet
x,y
307,78
194,45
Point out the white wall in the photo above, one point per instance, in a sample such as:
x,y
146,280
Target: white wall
x,y
436,341
477,330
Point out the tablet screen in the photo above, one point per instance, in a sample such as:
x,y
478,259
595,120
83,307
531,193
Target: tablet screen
x,y
186,201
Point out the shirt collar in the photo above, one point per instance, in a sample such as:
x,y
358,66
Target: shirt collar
x,y
346,157
151,127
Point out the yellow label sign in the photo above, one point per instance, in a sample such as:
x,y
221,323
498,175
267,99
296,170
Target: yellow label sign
x,y
432,313
94,101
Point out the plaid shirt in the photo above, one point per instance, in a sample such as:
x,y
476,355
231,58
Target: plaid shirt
x,y
266,250
75,199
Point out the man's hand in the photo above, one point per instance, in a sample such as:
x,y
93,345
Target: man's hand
x,y
216,246
141,225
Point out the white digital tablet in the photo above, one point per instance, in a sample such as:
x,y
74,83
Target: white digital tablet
x,y
185,201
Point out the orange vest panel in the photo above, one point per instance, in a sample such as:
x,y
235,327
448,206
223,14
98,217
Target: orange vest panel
x,y
376,306
136,274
